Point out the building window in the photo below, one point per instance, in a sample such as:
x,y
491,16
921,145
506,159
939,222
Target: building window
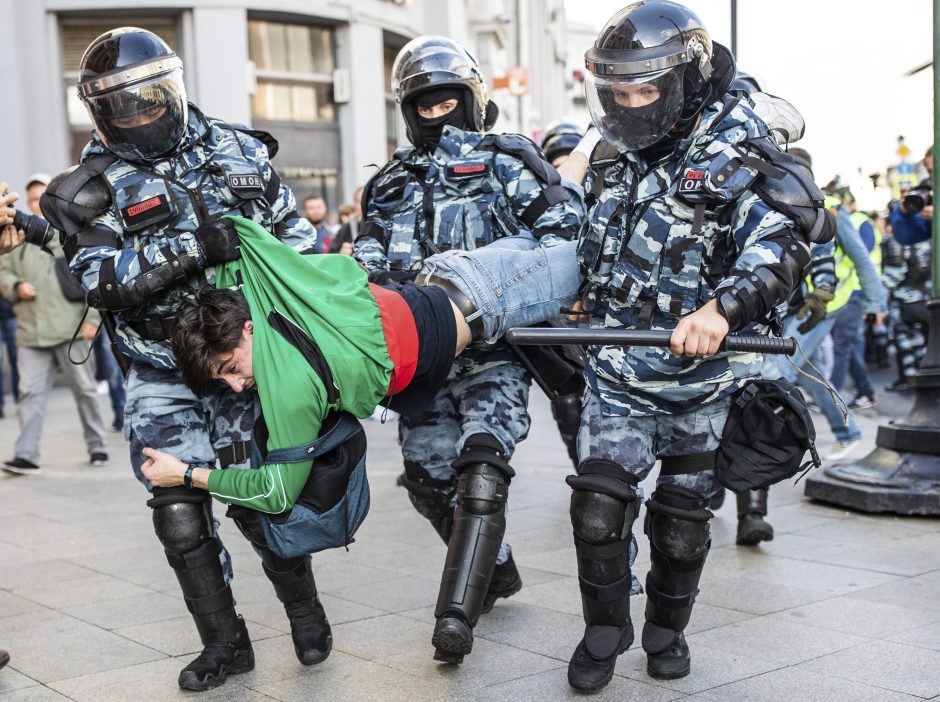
x,y
293,66
75,34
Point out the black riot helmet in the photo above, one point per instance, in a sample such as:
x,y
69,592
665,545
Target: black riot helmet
x,y
429,64
132,84
649,72
560,138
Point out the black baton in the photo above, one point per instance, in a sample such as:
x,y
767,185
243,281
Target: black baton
x,y
633,337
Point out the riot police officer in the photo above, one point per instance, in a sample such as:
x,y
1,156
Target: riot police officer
x,y
560,139
459,188
140,215
682,237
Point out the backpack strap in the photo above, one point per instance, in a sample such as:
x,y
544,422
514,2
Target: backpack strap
x,y
346,427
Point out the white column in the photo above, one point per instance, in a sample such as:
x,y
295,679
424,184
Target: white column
x,y
362,120
216,70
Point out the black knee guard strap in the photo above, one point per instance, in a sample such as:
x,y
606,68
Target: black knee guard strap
x,y
168,496
206,554
483,448
607,593
418,481
212,603
605,477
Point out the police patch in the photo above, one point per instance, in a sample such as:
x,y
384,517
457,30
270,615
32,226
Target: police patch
x,y
248,186
142,214
691,181
466,170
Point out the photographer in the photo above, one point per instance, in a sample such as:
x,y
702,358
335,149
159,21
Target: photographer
x,y
912,215
47,319
10,238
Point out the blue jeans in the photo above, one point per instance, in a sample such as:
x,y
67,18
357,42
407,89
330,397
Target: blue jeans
x,y
8,340
809,343
109,370
858,371
846,331
514,282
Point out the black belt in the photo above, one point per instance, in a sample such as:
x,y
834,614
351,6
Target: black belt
x,y
153,329
463,303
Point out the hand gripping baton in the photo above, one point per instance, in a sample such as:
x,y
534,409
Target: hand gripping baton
x,y
526,336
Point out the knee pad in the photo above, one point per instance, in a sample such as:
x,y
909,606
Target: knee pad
x,y
483,475
677,522
431,497
566,409
182,523
248,522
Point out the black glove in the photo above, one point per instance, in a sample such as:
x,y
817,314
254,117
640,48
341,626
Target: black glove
x,y
219,241
814,307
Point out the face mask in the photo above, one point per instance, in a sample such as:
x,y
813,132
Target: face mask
x,y
432,129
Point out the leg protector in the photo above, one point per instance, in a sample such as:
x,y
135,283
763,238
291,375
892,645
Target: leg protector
x,y
677,526
604,506
752,527
433,498
182,521
296,589
479,525
566,409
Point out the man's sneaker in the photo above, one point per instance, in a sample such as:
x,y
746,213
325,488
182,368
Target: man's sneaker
x,y
898,386
863,402
21,466
118,423
842,449
98,459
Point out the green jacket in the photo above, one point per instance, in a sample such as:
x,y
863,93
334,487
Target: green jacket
x,y
327,297
48,319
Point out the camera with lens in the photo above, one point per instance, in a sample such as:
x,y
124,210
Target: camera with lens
x,y
38,231
917,199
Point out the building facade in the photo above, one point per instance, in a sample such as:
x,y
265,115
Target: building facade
x,y
315,73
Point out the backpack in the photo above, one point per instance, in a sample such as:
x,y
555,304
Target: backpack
x,y
766,435
335,499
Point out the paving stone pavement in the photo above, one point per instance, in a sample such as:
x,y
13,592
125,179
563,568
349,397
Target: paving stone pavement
x,y
839,606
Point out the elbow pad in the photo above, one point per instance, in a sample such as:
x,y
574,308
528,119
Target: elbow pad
x,y
753,295
114,296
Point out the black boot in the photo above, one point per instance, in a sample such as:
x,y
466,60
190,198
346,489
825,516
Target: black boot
x,y
677,526
193,552
566,409
505,582
479,525
602,523
752,528
309,628
218,660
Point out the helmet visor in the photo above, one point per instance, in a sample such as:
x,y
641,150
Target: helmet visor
x,y
142,121
633,112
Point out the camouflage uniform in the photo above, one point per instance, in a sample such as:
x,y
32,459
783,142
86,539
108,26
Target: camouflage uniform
x,y
150,222
472,190
478,193
907,277
654,251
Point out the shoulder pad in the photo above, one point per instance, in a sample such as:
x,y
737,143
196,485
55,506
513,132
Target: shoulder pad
x,y
264,137
529,153
78,195
793,192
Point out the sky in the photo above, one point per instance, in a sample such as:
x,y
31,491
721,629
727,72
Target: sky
x,y
840,62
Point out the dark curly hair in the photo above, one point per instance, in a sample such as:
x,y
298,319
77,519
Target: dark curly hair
x,y
208,324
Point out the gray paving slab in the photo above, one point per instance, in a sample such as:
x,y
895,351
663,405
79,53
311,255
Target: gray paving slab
x,y
886,664
51,646
149,682
798,684
33,694
97,587
853,616
775,640
553,685
12,679
340,674
710,668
